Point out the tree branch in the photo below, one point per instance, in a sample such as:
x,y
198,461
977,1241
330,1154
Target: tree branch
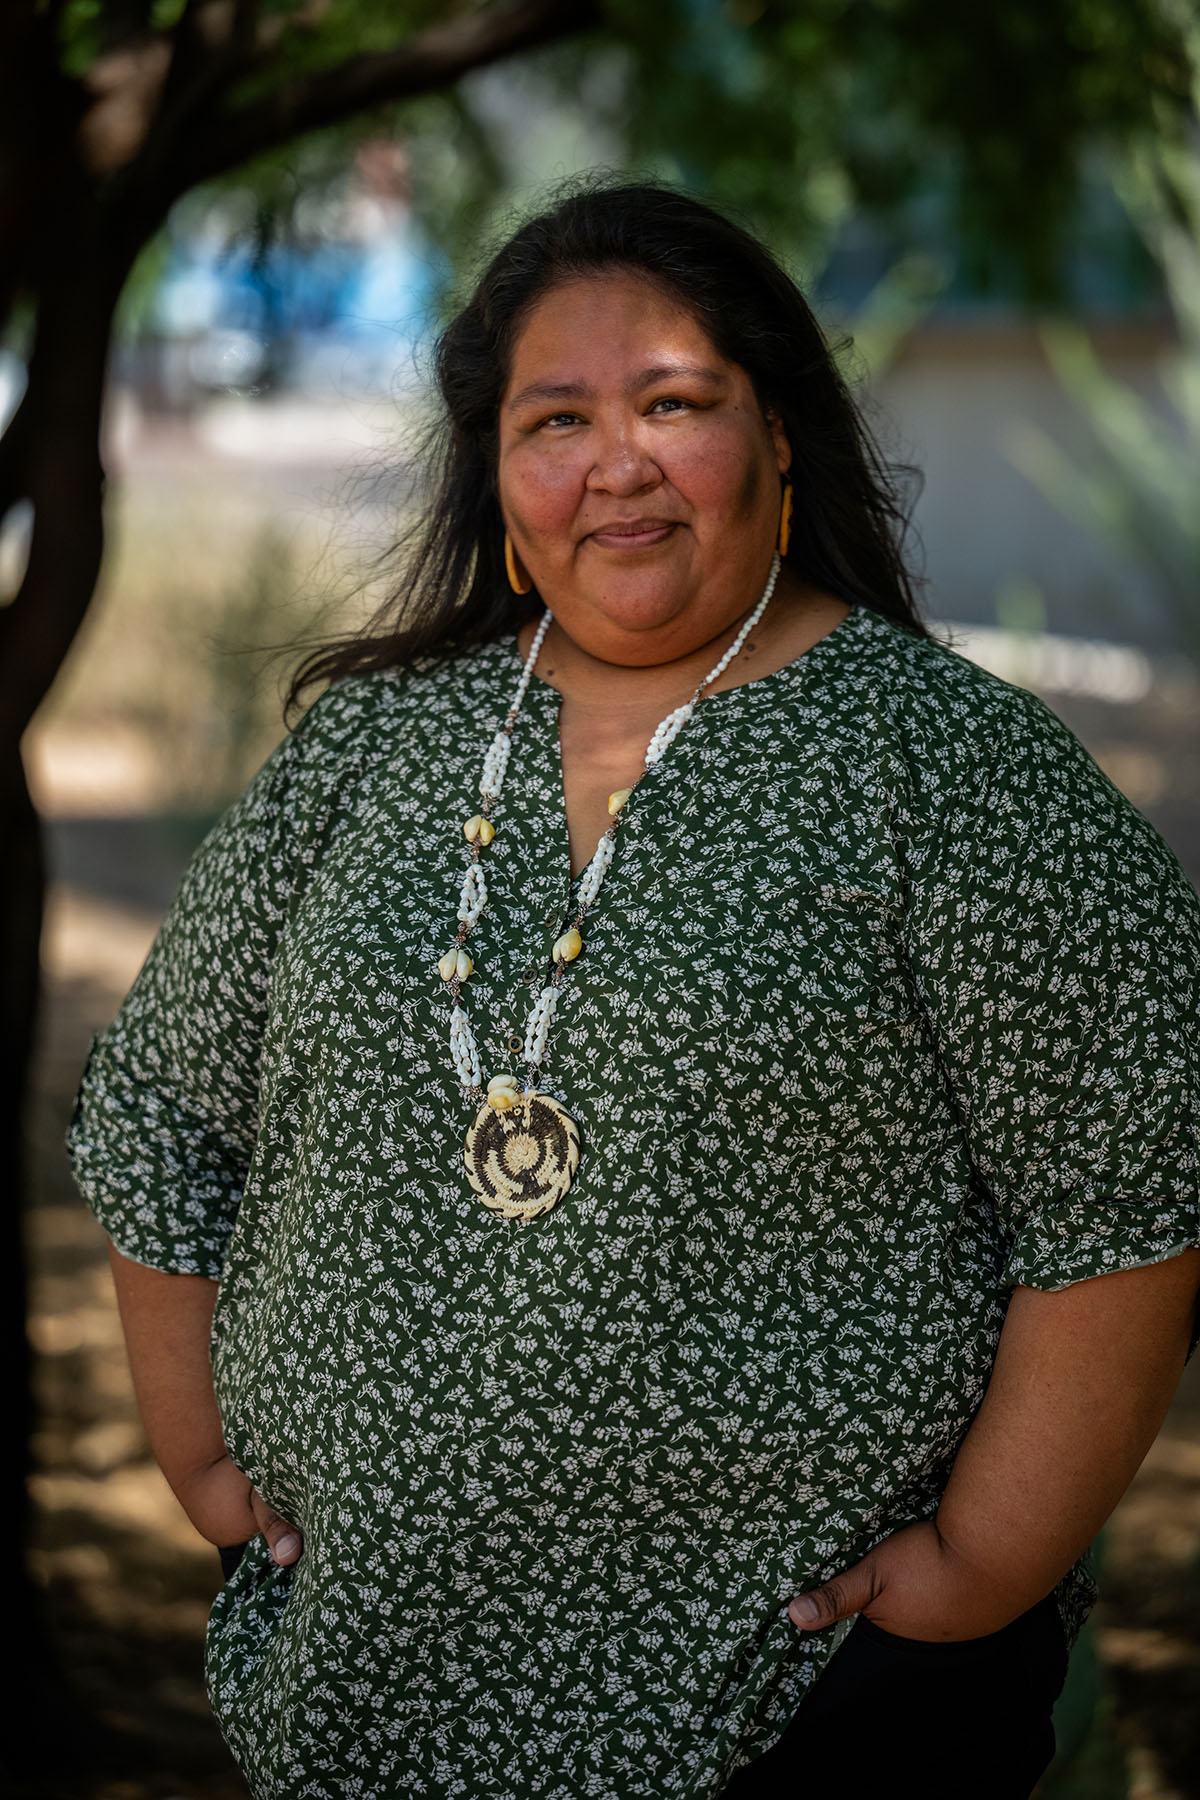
x,y
55,442
433,59
214,43
212,39
149,88
39,114
14,447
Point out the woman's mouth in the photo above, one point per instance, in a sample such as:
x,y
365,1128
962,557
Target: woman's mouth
x,y
638,536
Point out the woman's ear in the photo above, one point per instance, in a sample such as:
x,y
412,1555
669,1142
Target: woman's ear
x,y
779,440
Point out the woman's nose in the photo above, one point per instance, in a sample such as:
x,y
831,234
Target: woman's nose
x,y
623,464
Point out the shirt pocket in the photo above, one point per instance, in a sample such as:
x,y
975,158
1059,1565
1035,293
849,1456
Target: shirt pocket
x,y
813,990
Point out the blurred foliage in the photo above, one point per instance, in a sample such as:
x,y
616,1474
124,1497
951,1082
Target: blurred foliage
x,y
1139,488
948,124
1088,1763
979,114
1099,1768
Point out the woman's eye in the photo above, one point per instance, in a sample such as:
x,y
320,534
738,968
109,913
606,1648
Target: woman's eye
x,y
670,402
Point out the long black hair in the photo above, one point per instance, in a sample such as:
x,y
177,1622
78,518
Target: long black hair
x,y
850,517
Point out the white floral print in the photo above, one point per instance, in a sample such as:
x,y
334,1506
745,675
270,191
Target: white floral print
x,y
890,1002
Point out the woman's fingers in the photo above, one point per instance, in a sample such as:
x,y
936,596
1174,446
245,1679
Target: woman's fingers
x,y
912,1584
283,1540
840,1598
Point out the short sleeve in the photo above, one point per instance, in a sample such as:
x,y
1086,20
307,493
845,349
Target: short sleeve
x,y
1055,941
166,1114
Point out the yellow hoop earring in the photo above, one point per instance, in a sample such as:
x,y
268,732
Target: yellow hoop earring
x,y
510,563
785,519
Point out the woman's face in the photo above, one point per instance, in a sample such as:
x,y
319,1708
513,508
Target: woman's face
x,y
639,479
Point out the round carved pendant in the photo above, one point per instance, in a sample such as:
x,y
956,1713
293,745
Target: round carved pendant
x,y
522,1162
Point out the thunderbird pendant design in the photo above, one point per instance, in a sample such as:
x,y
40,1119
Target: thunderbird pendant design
x,y
522,1161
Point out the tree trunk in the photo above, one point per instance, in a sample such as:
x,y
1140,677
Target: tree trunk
x,y
36,1678
50,456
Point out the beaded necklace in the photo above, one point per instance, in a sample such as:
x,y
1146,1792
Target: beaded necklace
x,y
522,1147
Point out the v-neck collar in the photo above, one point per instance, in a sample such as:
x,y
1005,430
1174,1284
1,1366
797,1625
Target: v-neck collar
x,y
536,770
826,648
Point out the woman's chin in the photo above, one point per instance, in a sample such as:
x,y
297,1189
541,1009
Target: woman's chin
x,y
634,635
628,607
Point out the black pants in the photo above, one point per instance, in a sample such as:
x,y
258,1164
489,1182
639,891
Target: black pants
x,y
230,1558
965,1721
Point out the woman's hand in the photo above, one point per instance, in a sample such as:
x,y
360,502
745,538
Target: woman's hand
x,y
912,1583
1081,1383
227,1510
168,1323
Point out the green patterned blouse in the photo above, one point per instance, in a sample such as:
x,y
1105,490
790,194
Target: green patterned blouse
x,y
889,1002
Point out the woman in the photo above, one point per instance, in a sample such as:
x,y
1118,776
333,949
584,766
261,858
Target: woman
x,y
677,1095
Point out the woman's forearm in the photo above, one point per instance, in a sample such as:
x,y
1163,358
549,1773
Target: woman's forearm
x,y
1081,1384
167,1320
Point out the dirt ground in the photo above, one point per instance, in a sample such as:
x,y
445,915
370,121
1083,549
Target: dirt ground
x,y
127,1581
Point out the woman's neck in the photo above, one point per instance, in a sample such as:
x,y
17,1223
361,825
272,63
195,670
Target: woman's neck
x,y
795,619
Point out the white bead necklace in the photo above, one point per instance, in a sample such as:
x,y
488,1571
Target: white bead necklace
x,y
522,1148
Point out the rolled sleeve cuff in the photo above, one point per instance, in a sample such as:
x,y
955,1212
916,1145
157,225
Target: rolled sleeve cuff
x,y
1079,1239
161,1182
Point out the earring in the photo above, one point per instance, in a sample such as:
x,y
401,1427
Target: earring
x,y
510,563
785,519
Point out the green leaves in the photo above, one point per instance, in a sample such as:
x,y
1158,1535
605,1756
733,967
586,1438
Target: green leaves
x,y
972,125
